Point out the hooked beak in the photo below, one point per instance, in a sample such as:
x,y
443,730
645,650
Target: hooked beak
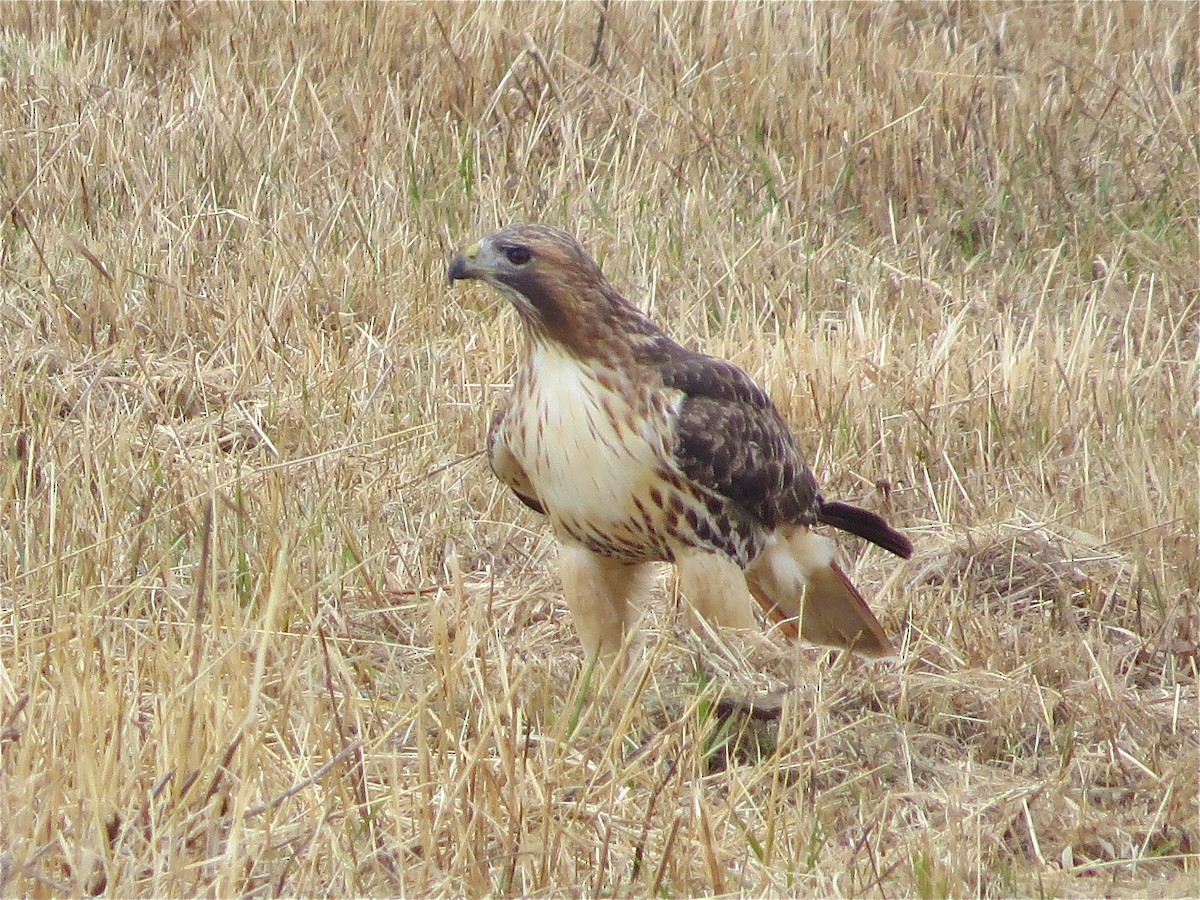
x,y
463,265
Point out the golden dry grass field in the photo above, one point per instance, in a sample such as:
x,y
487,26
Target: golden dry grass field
x,y
268,625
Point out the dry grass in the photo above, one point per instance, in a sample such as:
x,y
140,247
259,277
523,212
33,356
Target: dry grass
x,y
267,625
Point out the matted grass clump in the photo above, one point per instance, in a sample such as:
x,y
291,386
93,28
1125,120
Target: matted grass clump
x,y
269,626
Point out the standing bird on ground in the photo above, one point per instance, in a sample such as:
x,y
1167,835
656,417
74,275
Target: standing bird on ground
x,y
641,451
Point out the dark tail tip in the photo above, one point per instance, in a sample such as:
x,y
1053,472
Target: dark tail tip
x,y
866,525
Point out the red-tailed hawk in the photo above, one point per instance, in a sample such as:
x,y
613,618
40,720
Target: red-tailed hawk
x,y
639,450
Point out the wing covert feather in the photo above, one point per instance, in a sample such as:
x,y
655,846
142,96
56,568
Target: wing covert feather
x,y
729,437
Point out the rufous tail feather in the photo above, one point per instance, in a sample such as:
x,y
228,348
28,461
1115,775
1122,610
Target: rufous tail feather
x,y
797,578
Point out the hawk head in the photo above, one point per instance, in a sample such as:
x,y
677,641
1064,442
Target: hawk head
x,y
559,291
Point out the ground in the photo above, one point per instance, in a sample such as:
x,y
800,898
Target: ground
x,y
269,626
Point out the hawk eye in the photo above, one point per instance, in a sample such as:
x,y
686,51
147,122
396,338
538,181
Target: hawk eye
x,y
518,256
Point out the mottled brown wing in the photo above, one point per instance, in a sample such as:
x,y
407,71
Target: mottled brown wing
x,y
729,438
506,467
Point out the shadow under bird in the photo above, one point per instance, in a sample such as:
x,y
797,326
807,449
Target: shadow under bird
x,y
639,450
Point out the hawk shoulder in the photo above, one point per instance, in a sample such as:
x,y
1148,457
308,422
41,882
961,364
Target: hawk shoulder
x,y
505,465
729,438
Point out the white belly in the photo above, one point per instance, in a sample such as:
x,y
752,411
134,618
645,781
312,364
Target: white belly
x,y
591,459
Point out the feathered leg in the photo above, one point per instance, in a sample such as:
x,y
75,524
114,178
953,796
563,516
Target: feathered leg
x,y
602,594
797,577
715,587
